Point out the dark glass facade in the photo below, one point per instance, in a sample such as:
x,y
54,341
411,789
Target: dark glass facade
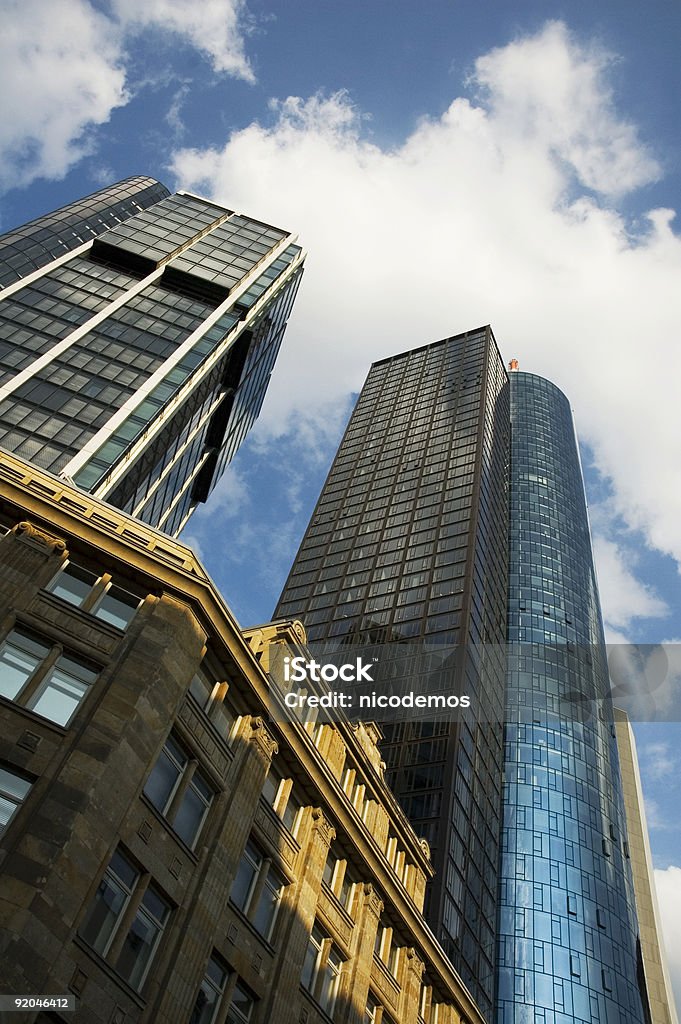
x,y
409,541
568,930
138,330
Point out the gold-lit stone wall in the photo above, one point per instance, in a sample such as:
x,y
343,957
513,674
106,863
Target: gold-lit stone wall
x,y
333,853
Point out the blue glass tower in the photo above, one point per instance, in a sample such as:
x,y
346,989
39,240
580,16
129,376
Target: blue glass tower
x,y
568,945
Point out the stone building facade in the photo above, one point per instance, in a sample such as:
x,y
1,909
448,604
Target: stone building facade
x,y
168,851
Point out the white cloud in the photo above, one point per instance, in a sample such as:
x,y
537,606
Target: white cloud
x,y
61,74
487,214
658,761
215,27
63,71
668,885
623,596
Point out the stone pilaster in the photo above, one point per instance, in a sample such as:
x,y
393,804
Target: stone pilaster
x,y
315,833
412,974
355,983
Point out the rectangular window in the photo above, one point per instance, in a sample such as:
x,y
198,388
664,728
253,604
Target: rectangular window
x,y
40,677
95,594
210,994
179,792
322,970
278,792
211,696
241,1006
125,921
13,791
257,889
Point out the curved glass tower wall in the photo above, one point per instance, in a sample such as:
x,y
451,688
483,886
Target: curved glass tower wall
x,y
568,947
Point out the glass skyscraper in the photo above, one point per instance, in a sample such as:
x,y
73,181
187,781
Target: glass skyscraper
x,y
568,934
138,331
409,542
455,510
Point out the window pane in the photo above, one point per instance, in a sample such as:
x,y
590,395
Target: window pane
x,y
117,607
190,814
245,877
268,904
13,785
62,691
165,775
108,905
142,939
241,1007
19,658
73,584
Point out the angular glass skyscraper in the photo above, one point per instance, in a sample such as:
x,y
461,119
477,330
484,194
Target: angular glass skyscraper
x,y
455,509
138,331
409,541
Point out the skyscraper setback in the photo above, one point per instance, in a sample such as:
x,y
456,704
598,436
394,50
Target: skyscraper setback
x,y
454,511
138,331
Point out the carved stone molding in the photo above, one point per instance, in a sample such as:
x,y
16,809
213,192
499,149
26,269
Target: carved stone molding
x,y
322,825
372,900
415,964
52,545
264,741
425,846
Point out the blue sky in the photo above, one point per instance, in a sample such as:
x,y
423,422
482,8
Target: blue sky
x,y
446,164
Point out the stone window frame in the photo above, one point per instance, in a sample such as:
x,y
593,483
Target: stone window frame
x,y
267,879
94,602
49,660
137,891
190,782
322,969
14,789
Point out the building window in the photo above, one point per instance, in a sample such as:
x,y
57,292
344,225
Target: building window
x,y
372,1012
338,877
279,793
241,1006
257,889
40,677
13,791
322,970
179,792
94,594
211,993
211,696
126,919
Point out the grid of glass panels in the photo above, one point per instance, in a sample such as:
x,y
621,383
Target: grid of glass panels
x,y
34,245
156,234
568,931
56,412
409,540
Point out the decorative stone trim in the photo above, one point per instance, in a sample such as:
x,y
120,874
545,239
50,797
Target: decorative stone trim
x,y
40,538
414,963
372,899
322,825
265,742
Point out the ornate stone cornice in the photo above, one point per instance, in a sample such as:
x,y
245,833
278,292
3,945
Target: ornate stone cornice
x,y
414,962
40,538
372,899
263,739
322,825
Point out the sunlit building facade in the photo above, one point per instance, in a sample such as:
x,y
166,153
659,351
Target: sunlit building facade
x,y
170,853
138,332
